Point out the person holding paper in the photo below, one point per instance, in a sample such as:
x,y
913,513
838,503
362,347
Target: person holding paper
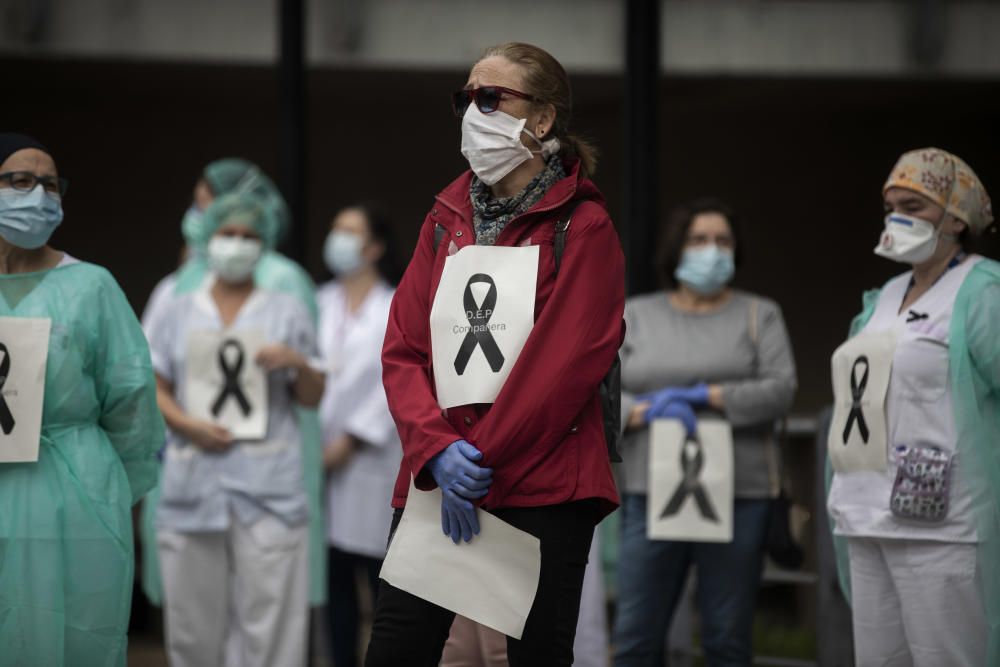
x,y
494,354
79,430
362,450
915,494
232,361
699,347
274,272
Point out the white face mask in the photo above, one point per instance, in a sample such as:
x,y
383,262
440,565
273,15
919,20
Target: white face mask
x,y
492,144
232,258
908,239
342,253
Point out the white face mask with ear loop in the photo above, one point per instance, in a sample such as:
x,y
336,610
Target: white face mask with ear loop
x,y
232,258
911,240
492,143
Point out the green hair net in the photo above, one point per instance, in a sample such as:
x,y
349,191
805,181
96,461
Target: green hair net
x,y
241,210
238,176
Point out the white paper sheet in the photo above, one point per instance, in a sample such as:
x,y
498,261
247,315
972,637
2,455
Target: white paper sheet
x,y
702,510
489,290
861,369
240,406
24,353
491,580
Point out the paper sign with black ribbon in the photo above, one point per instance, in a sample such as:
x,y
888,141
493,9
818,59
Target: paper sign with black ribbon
x,y
231,366
857,414
861,369
479,334
6,417
24,352
224,384
483,312
691,482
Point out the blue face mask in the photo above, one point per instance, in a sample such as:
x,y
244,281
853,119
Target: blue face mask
x,y
706,270
342,253
193,227
27,219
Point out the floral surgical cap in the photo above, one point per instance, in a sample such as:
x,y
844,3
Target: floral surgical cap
x,y
946,180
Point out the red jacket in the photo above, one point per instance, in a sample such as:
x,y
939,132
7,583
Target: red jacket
x,y
543,436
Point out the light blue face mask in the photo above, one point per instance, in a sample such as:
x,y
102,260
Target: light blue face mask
x,y
193,227
342,253
27,219
706,270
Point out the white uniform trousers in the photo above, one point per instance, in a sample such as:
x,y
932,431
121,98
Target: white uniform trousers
x,y
238,598
916,603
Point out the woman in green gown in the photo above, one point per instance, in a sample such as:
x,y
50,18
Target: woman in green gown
x,y
66,548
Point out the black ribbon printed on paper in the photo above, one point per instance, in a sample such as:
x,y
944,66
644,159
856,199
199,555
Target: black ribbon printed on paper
x,y
6,418
691,486
231,378
479,334
857,391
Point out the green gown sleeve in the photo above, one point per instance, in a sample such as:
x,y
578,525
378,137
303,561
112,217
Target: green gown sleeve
x,y
975,379
126,390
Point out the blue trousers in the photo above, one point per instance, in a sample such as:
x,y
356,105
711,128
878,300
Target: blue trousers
x,y
651,576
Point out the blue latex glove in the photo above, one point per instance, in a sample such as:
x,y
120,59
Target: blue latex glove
x,y
696,396
677,409
461,480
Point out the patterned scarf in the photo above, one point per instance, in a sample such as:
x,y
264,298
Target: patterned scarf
x,y
490,215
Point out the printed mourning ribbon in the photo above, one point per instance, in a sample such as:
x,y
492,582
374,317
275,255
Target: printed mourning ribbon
x,y
231,378
857,392
479,334
691,485
6,418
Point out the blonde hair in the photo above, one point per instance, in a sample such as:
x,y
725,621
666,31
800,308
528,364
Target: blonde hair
x,y
546,80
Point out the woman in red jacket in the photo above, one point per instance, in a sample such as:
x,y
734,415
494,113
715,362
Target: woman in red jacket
x,y
508,418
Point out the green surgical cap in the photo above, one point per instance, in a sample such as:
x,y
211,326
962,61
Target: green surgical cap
x,y
241,210
238,176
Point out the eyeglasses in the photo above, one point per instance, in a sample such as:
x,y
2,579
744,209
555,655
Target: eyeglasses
x,y
25,181
487,98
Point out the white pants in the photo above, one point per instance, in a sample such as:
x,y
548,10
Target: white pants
x,y
238,598
916,603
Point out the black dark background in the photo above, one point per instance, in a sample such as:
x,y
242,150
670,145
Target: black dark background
x,y
803,160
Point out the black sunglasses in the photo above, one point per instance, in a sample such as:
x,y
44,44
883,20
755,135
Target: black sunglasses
x,y
487,98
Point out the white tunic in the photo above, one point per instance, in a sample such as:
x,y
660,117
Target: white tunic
x,y
360,493
201,489
919,413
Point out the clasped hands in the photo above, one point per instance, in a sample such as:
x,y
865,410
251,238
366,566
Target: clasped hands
x,y
461,480
676,403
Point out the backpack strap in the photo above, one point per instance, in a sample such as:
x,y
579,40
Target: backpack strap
x,y
439,232
562,229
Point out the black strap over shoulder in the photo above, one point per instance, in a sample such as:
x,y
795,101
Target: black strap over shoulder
x,y
439,232
562,229
610,389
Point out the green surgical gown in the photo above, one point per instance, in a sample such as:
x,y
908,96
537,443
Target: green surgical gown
x,y
66,548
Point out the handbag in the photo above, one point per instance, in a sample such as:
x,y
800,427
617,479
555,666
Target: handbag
x,y
779,544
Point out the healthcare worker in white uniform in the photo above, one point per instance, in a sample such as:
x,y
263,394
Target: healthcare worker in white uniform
x,y
273,272
362,450
232,518
916,427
